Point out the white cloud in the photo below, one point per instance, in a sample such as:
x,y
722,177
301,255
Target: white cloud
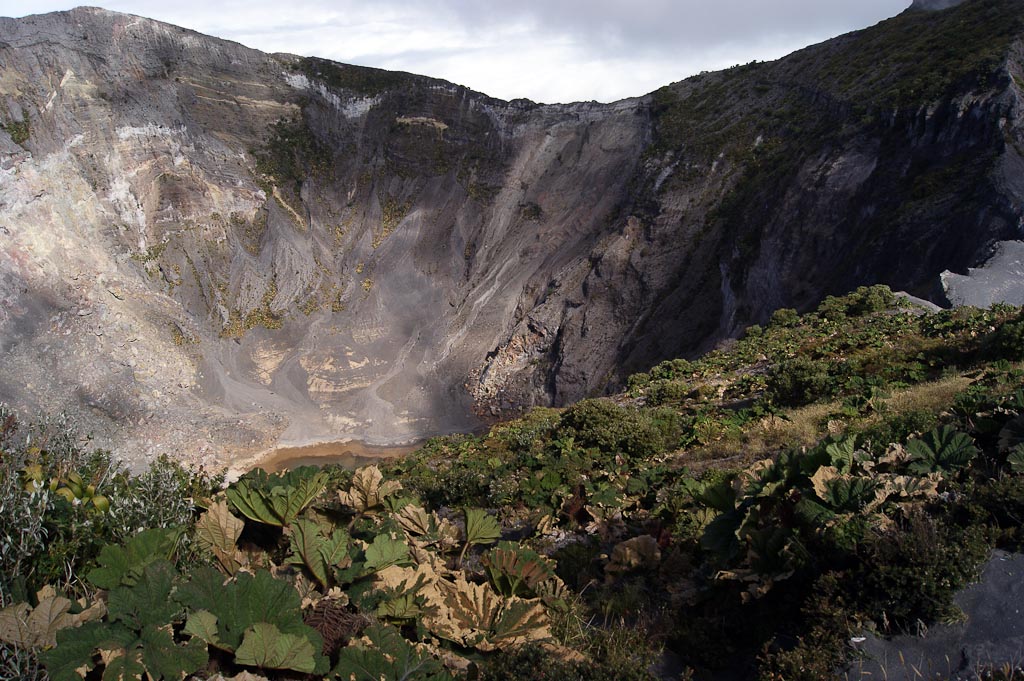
x,y
546,50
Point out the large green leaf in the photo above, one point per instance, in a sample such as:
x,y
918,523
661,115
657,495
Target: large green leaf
x,y
720,496
520,622
276,499
138,640
1012,434
1015,459
848,493
516,571
265,646
164,658
720,535
76,649
481,528
384,654
202,624
941,451
125,664
386,551
320,554
844,455
124,564
240,604
148,602
812,514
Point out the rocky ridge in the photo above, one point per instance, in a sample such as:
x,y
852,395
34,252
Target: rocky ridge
x,y
209,250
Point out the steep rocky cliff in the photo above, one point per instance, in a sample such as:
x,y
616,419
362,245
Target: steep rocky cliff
x,y
208,249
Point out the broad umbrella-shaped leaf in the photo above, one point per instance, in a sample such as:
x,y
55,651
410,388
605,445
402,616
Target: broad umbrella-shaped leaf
x,y
76,648
812,514
241,603
1012,434
164,658
520,622
320,554
124,564
942,450
276,499
123,664
516,571
385,654
481,528
386,551
148,602
1015,459
844,455
202,624
265,646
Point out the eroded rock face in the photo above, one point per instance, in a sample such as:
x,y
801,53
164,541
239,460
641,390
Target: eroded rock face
x,y
208,250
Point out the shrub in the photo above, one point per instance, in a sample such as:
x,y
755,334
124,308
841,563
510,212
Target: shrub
x,y
1008,341
798,381
662,392
784,317
612,429
911,573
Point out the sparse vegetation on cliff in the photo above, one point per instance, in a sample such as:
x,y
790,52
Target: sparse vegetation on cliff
x,y
18,130
360,79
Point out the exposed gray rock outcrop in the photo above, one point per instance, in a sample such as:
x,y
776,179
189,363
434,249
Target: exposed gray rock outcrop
x,y
1000,280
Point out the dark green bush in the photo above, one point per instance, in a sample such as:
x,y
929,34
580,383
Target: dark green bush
x,y
784,318
912,573
1008,341
663,392
799,381
612,429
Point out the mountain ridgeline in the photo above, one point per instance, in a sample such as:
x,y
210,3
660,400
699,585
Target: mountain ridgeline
x,y
209,249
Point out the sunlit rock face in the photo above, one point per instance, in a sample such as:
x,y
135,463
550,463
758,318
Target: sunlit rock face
x,y
207,250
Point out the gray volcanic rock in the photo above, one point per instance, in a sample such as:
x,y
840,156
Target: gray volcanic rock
x,y
207,250
1000,280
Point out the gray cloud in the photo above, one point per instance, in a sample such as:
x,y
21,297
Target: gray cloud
x,y
547,50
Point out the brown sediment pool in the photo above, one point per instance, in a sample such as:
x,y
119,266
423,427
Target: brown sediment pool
x,y
349,455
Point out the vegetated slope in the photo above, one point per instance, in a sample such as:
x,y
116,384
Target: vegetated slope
x,y
750,511
231,248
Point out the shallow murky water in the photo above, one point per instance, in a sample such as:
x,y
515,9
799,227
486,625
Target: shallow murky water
x,y
349,455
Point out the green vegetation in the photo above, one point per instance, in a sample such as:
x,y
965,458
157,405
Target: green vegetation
x,y
394,211
261,316
291,154
360,79
751,510
927,55
18,130
151,254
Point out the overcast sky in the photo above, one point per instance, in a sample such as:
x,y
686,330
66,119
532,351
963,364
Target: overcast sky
x,y
545,50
